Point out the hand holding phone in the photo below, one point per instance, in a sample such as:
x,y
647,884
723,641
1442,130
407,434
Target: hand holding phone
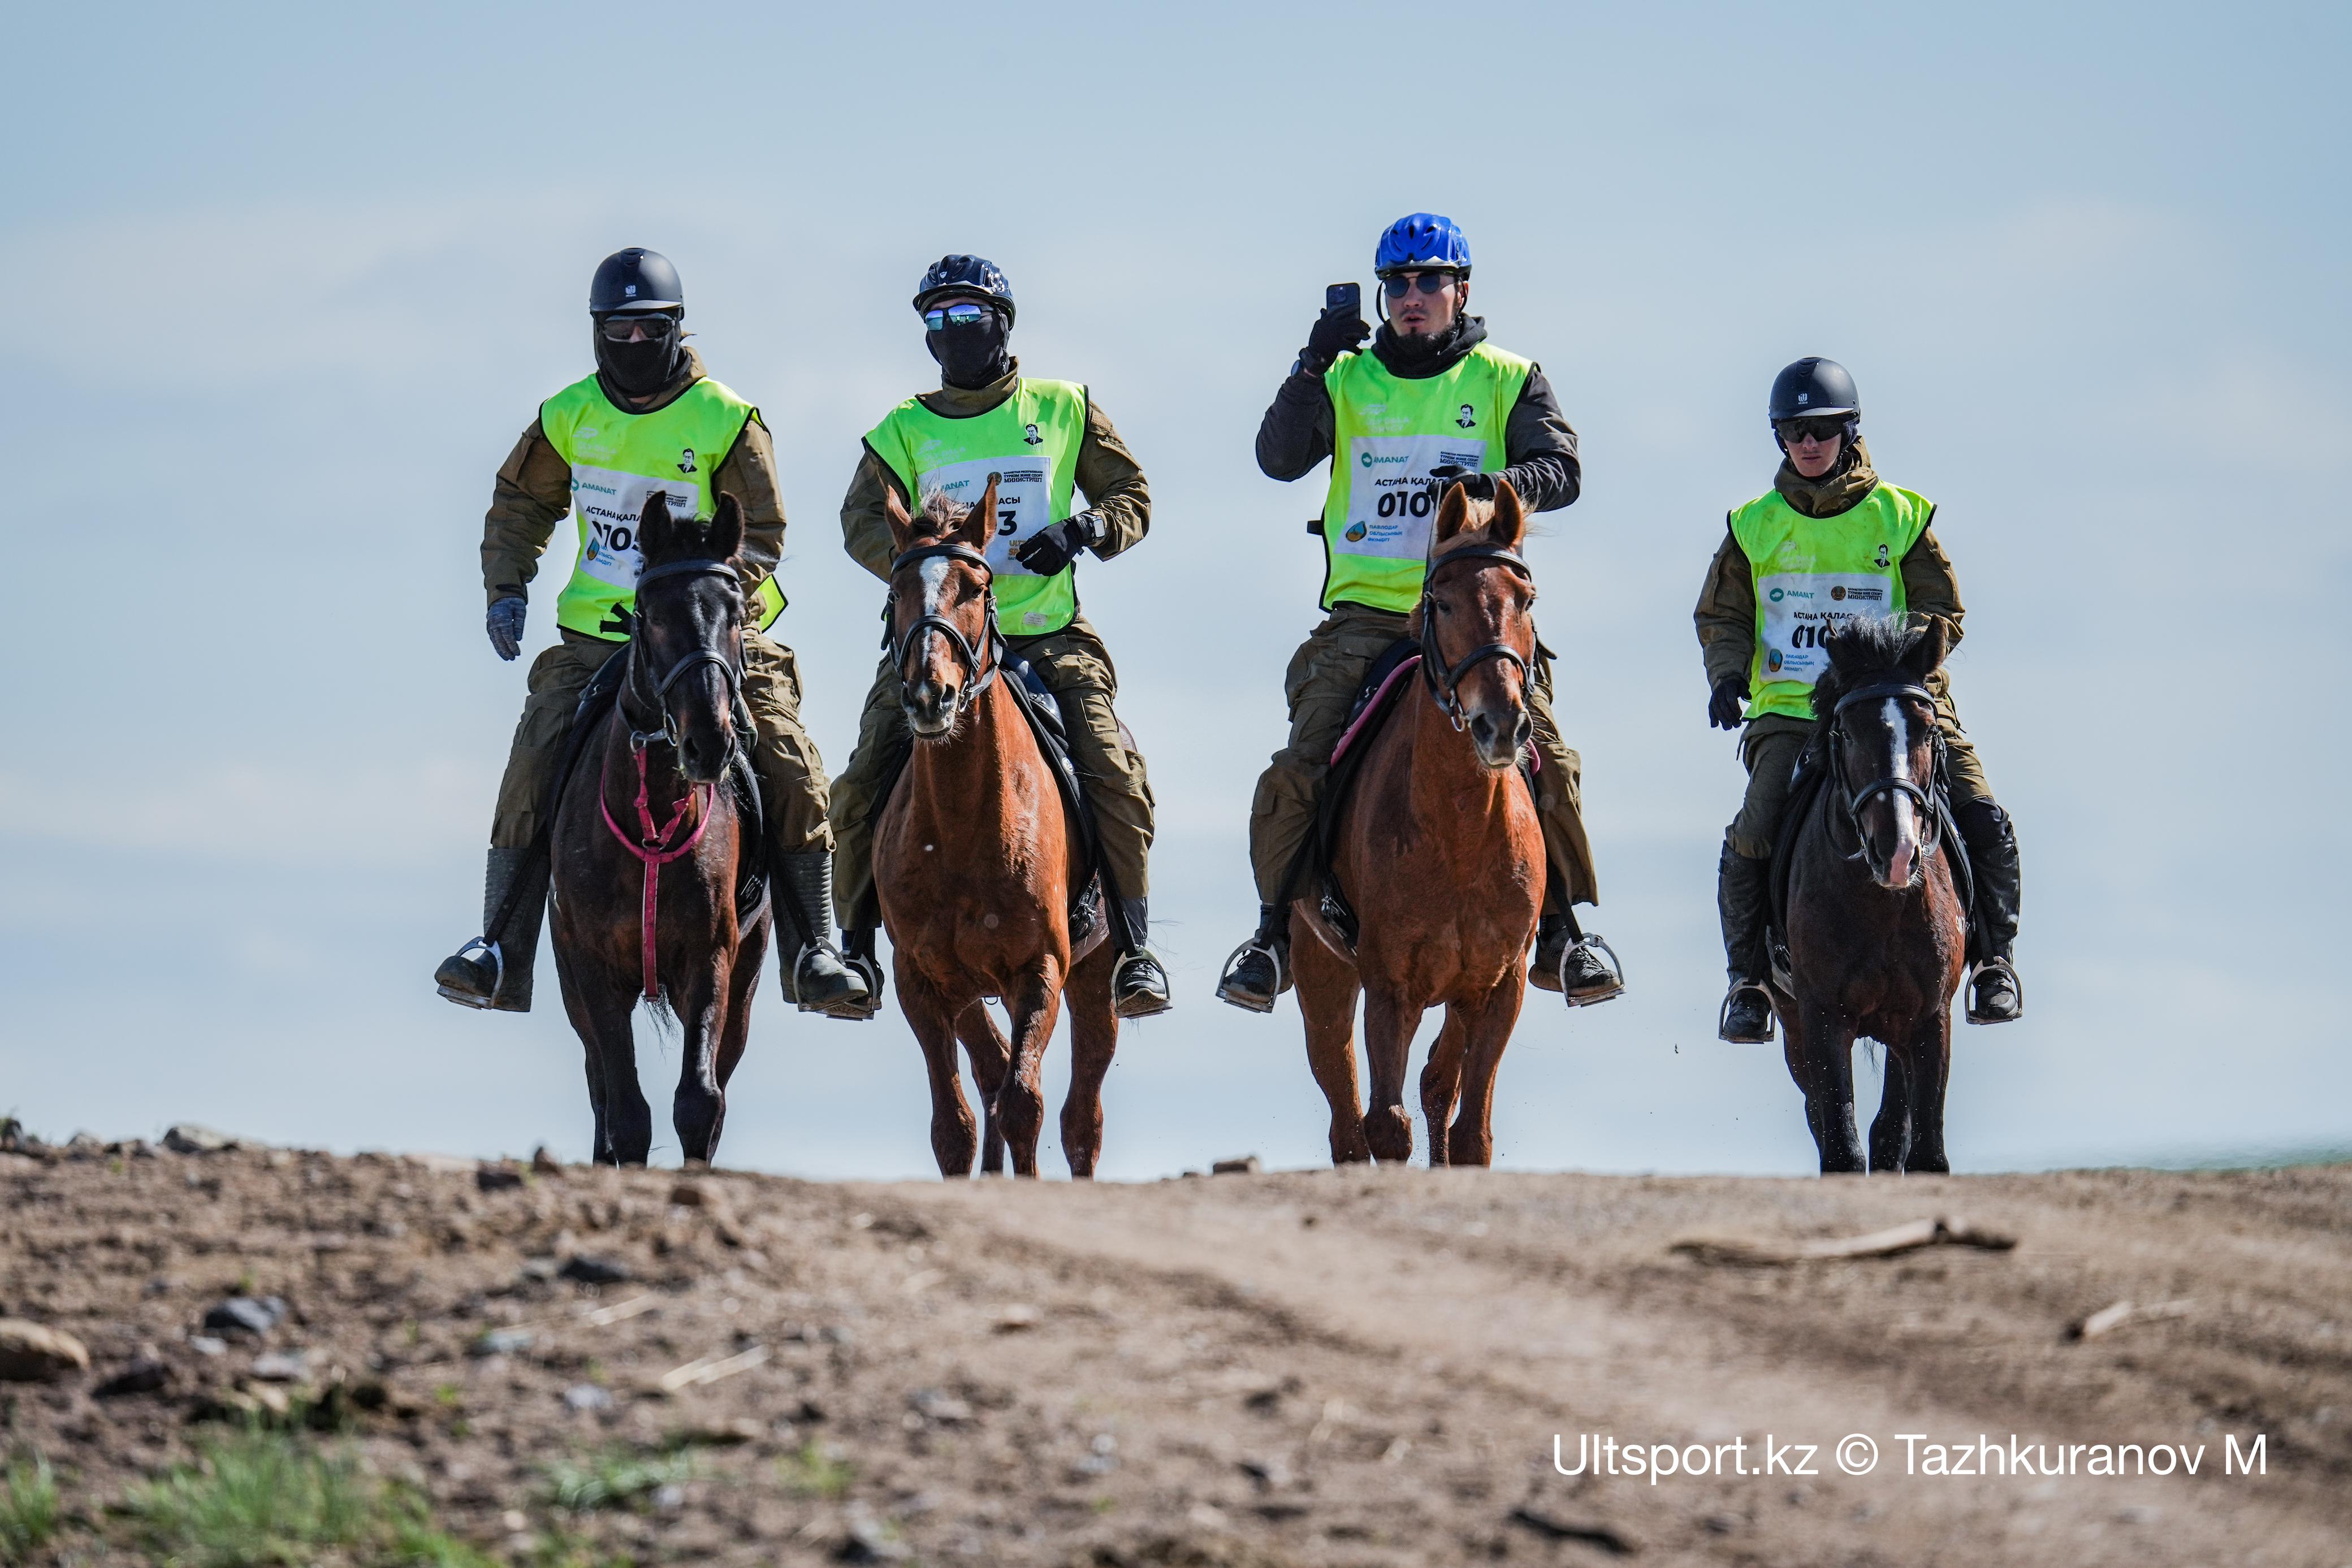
x,y
1339,328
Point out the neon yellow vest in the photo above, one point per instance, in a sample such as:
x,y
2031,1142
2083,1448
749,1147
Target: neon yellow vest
x,y
617,460
1813,573
1031,441
1388,433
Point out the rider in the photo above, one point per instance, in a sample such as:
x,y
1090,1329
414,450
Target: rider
x,y
1044,438
1431,396
649,419
1829,526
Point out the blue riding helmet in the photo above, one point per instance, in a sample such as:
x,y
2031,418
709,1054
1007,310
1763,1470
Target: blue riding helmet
x,y
1422,240
964,275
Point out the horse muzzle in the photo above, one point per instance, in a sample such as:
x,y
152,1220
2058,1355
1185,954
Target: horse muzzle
x,y
1499,734
931,708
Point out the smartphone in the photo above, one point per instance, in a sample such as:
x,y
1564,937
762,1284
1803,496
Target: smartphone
x,y
1343,297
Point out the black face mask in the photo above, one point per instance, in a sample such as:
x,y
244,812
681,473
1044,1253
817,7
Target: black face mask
x,y
970,357
643,368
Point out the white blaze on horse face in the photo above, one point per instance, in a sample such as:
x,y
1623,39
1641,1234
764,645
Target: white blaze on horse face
x,y
1907,826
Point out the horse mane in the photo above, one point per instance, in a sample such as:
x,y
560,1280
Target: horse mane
x,y
1863,652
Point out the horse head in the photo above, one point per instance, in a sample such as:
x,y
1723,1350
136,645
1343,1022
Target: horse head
x,y
942,619
686,668
1476,623
1878,730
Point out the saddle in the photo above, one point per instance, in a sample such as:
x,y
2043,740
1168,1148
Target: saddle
x,y
1384,684
1089,908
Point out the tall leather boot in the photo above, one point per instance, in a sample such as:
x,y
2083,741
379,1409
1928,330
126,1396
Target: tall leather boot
x,y
1259,969
1139,984
814,977
1743,898
494,970
1994,994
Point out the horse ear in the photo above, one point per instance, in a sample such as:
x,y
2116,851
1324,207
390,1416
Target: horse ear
x,y
724,538
894,512
653,526
1510,522
1453,513
1926,655
980,522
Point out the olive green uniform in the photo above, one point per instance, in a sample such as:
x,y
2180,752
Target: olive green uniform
x,y
532,495
1073,664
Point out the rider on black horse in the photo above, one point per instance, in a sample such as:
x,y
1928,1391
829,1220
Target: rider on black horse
x,y
1830,542
649,419
1433,401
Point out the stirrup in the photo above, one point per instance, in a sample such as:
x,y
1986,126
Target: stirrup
x,y
870,971
1250,1003
1616,970
1723,1018
1142,1002
488,949
2004,966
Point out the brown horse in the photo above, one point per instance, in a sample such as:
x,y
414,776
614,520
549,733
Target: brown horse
x,y
1877,933
1441,855
973,857
647,840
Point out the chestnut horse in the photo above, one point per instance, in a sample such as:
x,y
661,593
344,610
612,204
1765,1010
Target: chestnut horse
x,y
973,856
647,840
1440,854
1876,931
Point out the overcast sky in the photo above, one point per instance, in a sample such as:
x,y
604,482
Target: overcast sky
x,y
287,281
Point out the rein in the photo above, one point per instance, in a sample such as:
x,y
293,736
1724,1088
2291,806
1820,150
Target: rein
x,y
977,680
1851,801
654,849
1444,680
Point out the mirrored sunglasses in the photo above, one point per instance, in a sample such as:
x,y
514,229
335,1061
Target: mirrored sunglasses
x,y
962,313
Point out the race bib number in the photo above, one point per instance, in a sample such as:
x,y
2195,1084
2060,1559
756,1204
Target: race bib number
x,y
609,504
1024,501
1392,491
1799,610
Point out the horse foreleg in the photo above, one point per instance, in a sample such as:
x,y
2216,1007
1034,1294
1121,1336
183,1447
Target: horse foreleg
x,y
1929,1057
932,1018
985,1044
1094,1037
1440,1085
1034,1001
1487,1023
1389,1025
735,1024
1327,1001
699,1108
599,1004
1819,1049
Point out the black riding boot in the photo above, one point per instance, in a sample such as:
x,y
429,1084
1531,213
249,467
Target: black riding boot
x,y
858,953
1743,897
1994,994
1566,960
493,971
1139,984
813,975
1259,969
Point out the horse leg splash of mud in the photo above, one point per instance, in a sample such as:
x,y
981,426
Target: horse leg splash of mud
x,y
1876,933
973,857
647,841
1442,857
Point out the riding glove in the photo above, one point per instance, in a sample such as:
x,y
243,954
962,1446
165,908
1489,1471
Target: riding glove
x,y
505,622
1332,336
1725,704
1048,550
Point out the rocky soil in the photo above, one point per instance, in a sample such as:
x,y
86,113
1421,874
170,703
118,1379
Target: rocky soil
x,y
1356,1369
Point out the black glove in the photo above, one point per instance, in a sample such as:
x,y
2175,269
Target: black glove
x,y
1476,486
1048,550
1725,703
505,624
1332,336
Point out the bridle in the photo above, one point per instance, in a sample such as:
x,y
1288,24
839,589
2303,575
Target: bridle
x,y
1445,680
976,677
1851,801
729,668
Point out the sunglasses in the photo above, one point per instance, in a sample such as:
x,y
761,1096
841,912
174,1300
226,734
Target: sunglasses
x,y
964,313
1399,284
620,328
1821,427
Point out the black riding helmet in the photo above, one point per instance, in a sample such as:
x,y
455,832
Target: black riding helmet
x,y
634,279
965,275
1813,386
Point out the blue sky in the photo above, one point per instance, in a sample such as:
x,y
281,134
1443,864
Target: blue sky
x,y
290,282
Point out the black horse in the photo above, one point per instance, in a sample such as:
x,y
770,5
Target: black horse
x,y
1875,924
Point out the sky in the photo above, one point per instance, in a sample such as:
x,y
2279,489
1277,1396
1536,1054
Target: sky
x,y
290,280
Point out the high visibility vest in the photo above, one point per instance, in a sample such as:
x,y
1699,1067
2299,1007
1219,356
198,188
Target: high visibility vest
x,y
1029,441
618,459
1811,573
1389,434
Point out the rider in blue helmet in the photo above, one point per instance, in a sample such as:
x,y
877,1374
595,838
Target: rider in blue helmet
x,y
1433,398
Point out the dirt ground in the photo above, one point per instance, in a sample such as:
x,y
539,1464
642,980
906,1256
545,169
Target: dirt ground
x,y
1351,1369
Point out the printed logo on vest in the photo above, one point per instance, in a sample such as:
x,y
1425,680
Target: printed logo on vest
x,y
1031,435
1356,532
686,461
1469,417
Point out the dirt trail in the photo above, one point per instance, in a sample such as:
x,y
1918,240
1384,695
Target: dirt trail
x,y
1345,1368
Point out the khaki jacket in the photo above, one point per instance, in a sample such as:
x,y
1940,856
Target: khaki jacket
x,y
1107,473
533,494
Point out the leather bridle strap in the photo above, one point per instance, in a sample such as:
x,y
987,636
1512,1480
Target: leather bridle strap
x,y
1444,680
729,668
978,676
1852,800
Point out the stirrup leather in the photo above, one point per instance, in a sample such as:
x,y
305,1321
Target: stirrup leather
x,y
488,949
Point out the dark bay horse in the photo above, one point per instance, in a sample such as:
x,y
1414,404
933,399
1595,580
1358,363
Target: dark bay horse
x,y
647,841
1442,857
973,857
1877,933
